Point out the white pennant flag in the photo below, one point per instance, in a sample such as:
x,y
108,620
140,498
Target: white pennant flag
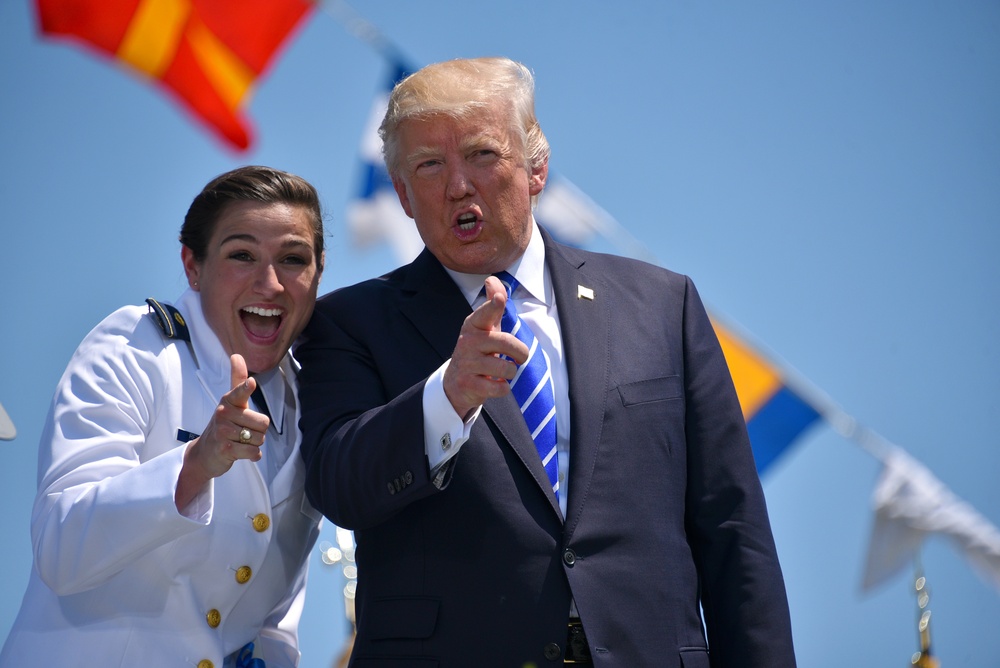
x,y
910,504
7,430
569,215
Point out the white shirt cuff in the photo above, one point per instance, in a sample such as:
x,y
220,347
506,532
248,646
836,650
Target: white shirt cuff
x,y
444,430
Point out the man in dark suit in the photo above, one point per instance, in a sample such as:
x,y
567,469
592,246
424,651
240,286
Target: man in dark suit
x,y
646,516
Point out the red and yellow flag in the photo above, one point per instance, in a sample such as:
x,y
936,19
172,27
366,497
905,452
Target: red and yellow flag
x,y
208,53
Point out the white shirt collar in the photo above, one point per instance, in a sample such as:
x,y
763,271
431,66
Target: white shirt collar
x,y
529,270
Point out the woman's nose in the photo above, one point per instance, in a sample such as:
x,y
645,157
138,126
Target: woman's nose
x,y
267,280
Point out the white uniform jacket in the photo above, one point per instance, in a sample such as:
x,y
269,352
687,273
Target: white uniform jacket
x,y
120,577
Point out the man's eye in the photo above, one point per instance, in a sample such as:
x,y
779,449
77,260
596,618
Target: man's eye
x,y
484,155
242,256
296,260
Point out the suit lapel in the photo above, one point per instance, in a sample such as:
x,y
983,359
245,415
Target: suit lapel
x,y
584,324
505,415
433,303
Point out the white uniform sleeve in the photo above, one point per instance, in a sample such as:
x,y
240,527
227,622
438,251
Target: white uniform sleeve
x,y
106,495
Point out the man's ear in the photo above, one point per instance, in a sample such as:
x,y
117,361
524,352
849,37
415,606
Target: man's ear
x,y
404,198
538,178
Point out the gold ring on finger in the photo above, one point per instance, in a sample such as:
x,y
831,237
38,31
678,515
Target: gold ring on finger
x,y
245,435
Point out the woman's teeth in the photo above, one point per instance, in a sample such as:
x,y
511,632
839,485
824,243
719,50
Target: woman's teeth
x,y
267,312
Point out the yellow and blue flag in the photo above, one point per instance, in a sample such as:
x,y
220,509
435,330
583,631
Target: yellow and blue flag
x,y
775,413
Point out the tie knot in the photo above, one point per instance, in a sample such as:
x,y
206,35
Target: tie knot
x,y
509,282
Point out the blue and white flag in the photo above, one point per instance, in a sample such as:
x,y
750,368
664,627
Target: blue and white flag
x,y
375,216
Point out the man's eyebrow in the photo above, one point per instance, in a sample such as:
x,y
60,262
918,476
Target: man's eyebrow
x,y
478,141
421,153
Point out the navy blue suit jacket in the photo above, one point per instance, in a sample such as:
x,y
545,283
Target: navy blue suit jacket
x,y
665,509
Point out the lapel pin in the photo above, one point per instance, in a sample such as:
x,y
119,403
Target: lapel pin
x,y
584,293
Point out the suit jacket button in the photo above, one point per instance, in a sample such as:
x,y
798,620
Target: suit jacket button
x,y
243,574
392,490
552,651
214,618
205,663
569,557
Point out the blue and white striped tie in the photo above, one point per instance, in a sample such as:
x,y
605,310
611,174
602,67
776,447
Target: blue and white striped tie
x,y
532,386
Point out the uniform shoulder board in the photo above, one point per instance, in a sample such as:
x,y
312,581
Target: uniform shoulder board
x,y
170,320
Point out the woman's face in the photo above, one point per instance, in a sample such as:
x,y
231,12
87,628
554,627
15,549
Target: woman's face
x,y
258,279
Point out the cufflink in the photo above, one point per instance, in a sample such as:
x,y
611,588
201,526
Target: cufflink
x,y
446,442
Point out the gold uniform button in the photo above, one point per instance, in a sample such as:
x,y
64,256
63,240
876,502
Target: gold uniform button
x,y
261,522
205,663
214,618
243,574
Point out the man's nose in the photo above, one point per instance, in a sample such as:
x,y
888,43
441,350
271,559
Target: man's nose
x,y
459,184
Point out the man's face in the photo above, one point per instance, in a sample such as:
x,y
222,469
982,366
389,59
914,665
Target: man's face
x,y
466,184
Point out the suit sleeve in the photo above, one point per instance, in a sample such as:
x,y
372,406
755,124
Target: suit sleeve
x,y
362,415
743,593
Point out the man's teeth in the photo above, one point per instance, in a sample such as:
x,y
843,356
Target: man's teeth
x,y
268,312
467,221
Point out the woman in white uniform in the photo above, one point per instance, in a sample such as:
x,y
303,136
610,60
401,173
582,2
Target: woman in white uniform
x,y
170,526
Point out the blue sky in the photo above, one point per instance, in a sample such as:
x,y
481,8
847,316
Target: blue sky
x,y
828,173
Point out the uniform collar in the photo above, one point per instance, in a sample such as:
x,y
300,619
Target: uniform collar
x,y
209,354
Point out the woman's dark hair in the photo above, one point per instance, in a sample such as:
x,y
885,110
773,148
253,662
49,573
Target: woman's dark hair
x,y
252,183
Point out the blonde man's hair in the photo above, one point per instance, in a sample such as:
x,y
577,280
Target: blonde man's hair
x,y
458,88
